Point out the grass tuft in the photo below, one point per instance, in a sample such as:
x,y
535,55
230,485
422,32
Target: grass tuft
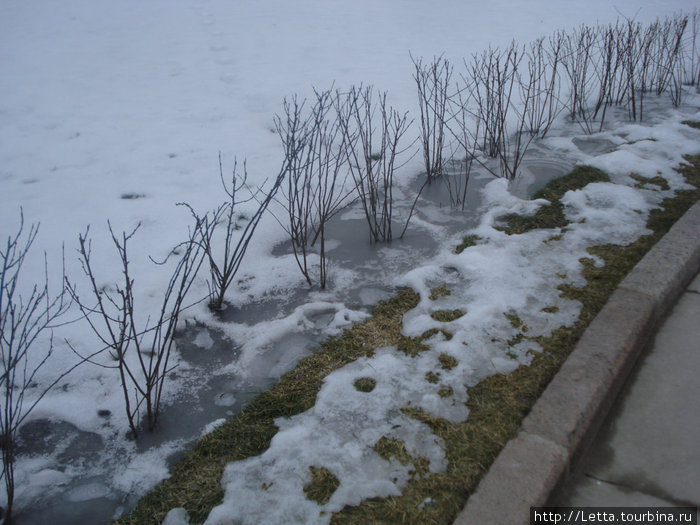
x,y
439,291
432,377
445,391
322,485
516,322
447,362
364,384
389,448
467,242
447,316
434,331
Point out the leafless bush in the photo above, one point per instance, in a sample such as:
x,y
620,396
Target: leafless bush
x,y
432,81
330,143
667,49
316,154
502,100
629,51
690,52
676,89
577,55
141,350
543,104
373,132
223,266
463,124
673,65
607,70
23,319
644,80
491,78
457,179
293,130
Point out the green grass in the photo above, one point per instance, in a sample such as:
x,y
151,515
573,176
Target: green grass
x,y
497,404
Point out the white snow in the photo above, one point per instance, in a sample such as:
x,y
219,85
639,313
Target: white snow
x,y
118,110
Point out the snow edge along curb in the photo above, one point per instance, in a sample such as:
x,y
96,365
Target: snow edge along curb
x,y
566,417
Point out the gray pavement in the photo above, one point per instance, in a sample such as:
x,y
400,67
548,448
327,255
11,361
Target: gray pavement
x,y
647,452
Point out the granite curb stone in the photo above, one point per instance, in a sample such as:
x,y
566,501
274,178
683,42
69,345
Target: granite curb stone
x,y
526,456
563,422
664,272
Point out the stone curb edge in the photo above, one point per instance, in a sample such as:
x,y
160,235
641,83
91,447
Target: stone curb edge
x,y
566,418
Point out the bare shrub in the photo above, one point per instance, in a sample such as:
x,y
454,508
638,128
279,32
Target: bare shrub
x,y
577,55
491,80
373,131
501,100
543,103
317,179
463,125
607,70
690,52
23,320
667,48
457,179
299,198
224,264
432,81
141,350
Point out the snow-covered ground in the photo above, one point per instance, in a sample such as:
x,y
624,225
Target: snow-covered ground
x,y
118,110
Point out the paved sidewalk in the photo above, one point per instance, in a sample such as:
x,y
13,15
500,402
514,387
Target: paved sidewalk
x,y
647,452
